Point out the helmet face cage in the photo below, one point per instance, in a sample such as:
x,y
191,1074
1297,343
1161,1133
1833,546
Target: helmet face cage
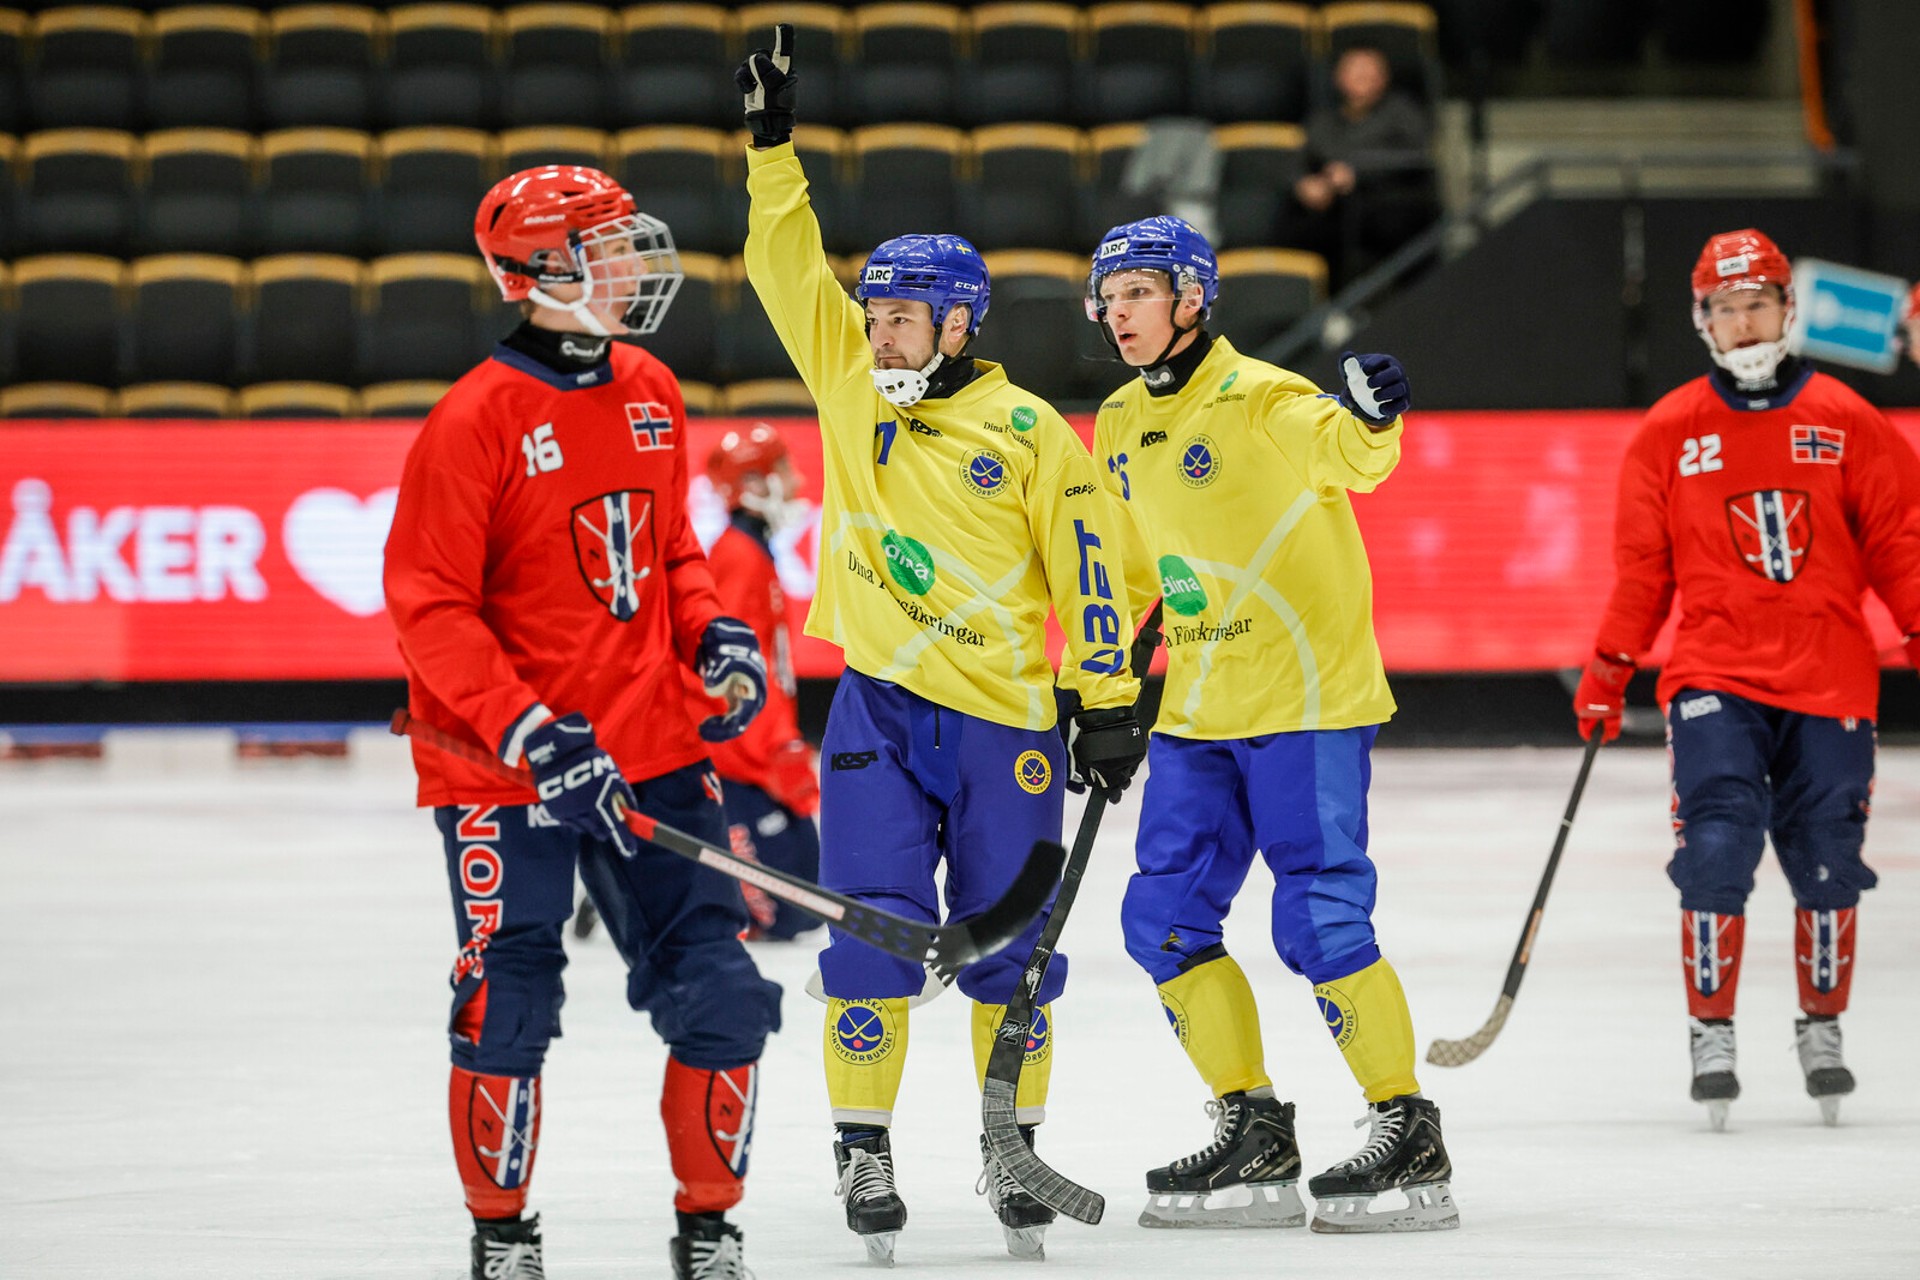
x,y
1169,245
629,266
943,271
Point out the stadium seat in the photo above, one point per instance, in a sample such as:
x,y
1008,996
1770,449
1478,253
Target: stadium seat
x,y
819,40
702,399
85,67
555,65
750,350
204,67
1254,62
904,177
1405,33
823,154
421,312
1037,324
440,66
767,396
1024,187
77,191
297,400
1591,33
9,187
56,400
905,59
199,192
306,317
1108,203
1022,65
317,195
1259,163
175,400
1263,292
14,26
686,339
684,176
1140,57
674,65
412,399
320,66
431,181
185,311
68,318
529,148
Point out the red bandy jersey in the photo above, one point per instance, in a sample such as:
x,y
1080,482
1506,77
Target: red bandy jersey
x,y
771,754
541,556
1771,521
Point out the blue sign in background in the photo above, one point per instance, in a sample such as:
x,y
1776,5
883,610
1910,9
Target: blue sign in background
x,y
1847,315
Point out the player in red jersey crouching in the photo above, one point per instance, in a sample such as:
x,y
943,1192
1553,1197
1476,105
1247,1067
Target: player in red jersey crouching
x,y
1769,497
548,591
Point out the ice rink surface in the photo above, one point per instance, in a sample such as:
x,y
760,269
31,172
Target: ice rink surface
x,y
223,992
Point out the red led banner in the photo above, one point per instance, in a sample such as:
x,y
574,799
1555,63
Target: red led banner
x,y
194,551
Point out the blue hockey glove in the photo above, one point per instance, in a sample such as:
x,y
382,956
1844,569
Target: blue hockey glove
x,y
730,666
1373,388
768,80
579,783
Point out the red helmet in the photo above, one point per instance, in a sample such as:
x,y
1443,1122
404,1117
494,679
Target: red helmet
x,y
739,454
1745,259
568,224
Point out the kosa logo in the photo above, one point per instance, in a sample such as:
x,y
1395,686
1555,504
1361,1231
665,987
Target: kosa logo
x,y
1032,772
1150,438
844,761
1200,463
1078,490
1099,620
920,428
878,275
985,473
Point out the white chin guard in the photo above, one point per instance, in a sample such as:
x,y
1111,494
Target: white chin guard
x,y
900,387
1752,367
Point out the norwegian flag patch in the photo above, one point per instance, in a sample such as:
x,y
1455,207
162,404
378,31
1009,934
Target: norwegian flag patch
x,y
652,425
1819,444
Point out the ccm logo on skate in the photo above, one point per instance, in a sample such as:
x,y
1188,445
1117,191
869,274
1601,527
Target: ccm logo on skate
x,y
1702,706
843,761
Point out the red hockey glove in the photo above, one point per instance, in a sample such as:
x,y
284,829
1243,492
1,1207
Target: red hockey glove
x,y
1602,693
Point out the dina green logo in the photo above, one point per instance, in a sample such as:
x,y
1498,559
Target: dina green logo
x,y
1024,418
909,563
1231,379
1180,587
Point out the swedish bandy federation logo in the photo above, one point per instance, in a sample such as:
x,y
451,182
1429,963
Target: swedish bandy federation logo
x,y
1200,462
860,1033
1769,533
984,472
1032,772
1039,1038
1338,1012
613,545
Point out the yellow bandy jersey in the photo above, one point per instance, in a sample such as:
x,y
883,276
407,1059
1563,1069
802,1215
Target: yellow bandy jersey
x,y
947,529
1237,486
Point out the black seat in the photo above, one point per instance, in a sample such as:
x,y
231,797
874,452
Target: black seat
x,y
77,191
555,65
297,400
1139,62
199,192
1254,61
9,189
905,59
674,65
1023,61
440,66
533,147
750,349
431,181
410,399
1037,324
85,68
904,177
1023,192
822,150
306,317
1591,33
1108,203
1263,292
320,66
68,318
56,400
1259,163
1405,33
318,192
205,67
14,26
819,51
687,339
683,175
185,311
422,316
175,400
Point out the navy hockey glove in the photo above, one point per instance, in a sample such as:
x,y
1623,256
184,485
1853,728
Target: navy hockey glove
x,y
730,666
579,783
1104,747
1373,388
768,80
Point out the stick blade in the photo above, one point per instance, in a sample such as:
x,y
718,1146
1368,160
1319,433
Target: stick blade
x,y
1038,1178
1004,921
1457,1053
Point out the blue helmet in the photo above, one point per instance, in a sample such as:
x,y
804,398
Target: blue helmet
x,y
1160,243
942,271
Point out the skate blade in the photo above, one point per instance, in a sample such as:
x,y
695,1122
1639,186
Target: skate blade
x,y
1830,1110
1427,1207
1717,1115
1026,1243
880,1247
1244,1205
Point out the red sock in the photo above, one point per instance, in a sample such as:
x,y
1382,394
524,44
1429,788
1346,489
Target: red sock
x,y
709,1119
1710,945
496,1130
1823,959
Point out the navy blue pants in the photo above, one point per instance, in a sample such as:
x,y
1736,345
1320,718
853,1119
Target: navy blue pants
x,y
1743,771
779,838
676,925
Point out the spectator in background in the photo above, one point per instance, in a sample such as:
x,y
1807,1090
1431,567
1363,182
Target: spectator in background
x,y
1369,187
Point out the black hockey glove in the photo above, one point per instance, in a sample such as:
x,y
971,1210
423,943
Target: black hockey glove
x,y
731,666
768,80
1104,747
579,783
1373,388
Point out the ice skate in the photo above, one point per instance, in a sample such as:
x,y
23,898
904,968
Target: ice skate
x,y
1828,1080
874,1208
508,1250
1404,1160
708,1248
1713,1056
1023,1219
1244,1178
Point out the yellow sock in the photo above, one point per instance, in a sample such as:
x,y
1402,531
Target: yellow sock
x,y
866,1052
1030,1098
1367,1014
1213,1013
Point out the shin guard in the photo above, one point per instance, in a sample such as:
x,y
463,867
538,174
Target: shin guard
x,y
496,1130
709,1119
866,1052
1212,1011
1710,946
1823,959
1366,1012
1030,1097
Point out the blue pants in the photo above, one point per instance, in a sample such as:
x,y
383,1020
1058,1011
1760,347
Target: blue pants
x,y
676,925
907,785
779,838
1300,801
1743,770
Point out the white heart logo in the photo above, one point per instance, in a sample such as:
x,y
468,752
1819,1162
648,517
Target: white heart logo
x,y
336,542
